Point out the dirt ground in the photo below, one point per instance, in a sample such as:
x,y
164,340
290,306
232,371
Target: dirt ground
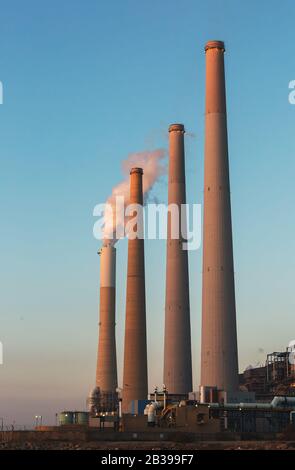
x,y
237,445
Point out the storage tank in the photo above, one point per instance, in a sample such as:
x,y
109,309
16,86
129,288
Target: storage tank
x,y
208,394
66,418
152,413
93,401
82,417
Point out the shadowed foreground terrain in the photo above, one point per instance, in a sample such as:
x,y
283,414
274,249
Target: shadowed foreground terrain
x,y
232,445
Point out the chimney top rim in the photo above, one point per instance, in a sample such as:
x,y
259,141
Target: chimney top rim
x,y
136,170
176,127
106,245
214,44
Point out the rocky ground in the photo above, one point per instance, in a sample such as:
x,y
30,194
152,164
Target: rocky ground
x,y
60,445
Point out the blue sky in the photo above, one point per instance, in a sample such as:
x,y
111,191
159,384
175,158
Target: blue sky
x,y
85,84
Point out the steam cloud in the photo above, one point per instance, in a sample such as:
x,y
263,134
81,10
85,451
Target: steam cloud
x,y
153,167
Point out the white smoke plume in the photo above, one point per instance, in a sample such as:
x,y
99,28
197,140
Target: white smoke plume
x,y
153,167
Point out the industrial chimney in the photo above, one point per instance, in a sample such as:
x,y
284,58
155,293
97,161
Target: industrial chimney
x,y
106,371
177,342
219,356
135,350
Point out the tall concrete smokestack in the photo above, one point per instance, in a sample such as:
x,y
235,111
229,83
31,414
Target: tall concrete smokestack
x,y
177,344
135,351
106,371
219,357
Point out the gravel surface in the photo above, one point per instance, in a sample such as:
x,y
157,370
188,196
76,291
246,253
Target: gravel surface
x,y
60,445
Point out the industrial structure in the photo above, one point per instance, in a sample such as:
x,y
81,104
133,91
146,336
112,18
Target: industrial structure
x,y
276,377
261,401
135,380
104,396
226,402
219,356
177,343
218,420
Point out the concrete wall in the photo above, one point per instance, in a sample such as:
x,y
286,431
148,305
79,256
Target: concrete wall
x,y
153,435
